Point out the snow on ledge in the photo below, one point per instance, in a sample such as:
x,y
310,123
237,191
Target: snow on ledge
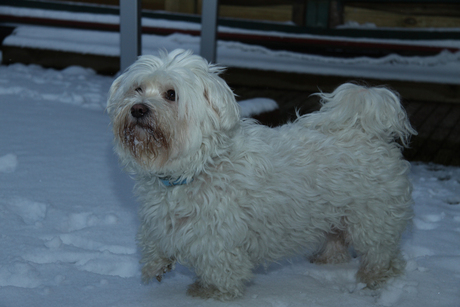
x,y
256,106
442,68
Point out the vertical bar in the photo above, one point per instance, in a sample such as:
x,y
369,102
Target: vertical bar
x,y
317,14
209,29
311,13
130,32
323,13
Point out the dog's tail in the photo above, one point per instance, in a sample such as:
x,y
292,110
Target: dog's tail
x,y
375,110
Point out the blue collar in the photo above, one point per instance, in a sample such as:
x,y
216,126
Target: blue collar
x,y
169,182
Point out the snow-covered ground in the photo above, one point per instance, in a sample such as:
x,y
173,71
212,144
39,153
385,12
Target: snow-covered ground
x,y
68,218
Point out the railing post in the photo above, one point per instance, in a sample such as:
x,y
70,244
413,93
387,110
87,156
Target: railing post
x,y
317,13
209,14
130,32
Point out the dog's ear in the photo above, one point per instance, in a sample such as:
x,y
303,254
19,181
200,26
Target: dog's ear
x,y
222,102
112,94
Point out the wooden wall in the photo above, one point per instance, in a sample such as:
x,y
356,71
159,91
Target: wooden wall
x,y
405,14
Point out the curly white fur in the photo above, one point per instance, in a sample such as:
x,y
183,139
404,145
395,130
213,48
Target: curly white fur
x,y
254,194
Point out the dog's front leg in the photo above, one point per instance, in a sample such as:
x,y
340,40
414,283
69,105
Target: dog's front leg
x,y
155,262
221,275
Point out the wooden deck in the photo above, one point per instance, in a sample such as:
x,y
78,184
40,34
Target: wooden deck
x,y
437,124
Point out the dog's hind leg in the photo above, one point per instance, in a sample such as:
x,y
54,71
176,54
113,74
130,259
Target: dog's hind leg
x,y
334,251
379,265
223,276
376,240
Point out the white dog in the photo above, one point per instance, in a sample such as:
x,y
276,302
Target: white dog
x,y
222,194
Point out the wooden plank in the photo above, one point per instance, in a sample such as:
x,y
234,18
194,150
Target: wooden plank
x,y
435,121
411,107
146,4
317,45
277,13
258,2
439,125
418,91
455,160
311,83
449,150
417,121
425,8
103,2
390,19
182,6
245,24
433,134
424,119
450,155
447,123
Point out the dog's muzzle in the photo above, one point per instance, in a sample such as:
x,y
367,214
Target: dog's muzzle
x,y
141,134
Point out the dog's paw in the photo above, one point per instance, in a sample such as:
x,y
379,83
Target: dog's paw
x,y
197,290
156,269
330,258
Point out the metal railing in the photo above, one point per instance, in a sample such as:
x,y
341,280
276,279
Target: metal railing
x,y
131,38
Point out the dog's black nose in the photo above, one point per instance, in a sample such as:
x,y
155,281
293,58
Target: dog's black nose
x,y
139,110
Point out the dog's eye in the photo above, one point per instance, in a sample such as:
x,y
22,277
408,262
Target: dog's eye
x,y
139,90
170,95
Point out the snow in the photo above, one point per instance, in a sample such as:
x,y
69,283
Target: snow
x,y
369,25
255,106
68,219
441,68
8,163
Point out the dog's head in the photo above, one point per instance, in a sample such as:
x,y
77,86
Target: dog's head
x,y
169,111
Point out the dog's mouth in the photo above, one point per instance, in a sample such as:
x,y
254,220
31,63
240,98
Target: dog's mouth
x,y
141,134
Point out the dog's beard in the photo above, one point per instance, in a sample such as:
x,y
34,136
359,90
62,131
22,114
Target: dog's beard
x,y
143,138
